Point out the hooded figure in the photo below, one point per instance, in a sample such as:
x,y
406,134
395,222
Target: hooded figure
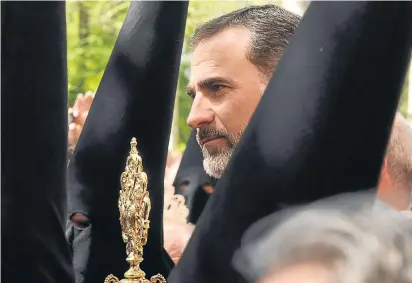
x,y
314,133
34,143
191,179
135,99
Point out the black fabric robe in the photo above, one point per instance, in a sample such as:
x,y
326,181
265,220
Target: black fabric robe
x,y
135,99
321,127
34,143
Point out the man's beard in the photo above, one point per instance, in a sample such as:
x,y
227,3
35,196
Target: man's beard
x,y
216,159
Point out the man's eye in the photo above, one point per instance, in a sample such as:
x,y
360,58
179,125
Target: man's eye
x,y
217,88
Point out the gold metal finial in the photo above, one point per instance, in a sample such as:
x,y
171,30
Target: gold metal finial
x,y
134,206
133,145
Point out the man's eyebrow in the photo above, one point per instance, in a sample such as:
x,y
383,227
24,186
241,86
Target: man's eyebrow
x,y
190,90
214,80
208,83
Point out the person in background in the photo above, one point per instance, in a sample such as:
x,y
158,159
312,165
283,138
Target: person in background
x,y
176,229
77,117
172,165
395,185
328,243
74,134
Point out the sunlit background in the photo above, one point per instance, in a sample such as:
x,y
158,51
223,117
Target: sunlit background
x,y
93,27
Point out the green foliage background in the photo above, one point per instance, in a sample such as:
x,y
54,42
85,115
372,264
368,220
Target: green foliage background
x,y
92,29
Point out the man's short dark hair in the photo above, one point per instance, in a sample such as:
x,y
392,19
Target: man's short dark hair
x,y
271,29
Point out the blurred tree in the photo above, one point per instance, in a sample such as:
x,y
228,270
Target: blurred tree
x,y
92,29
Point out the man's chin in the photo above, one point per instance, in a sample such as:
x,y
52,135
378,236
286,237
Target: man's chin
x,y
215,164
212,171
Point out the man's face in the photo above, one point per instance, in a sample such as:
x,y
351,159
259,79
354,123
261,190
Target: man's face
x,y
226,88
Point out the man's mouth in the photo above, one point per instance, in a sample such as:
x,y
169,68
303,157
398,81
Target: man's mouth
x,y
208,139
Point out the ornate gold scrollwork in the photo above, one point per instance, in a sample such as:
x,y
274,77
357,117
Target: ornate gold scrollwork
x,y
175,209
134,206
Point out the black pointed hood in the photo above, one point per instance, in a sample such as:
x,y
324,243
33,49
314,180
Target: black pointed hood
x,y
135,99
191,177
321,127
34,143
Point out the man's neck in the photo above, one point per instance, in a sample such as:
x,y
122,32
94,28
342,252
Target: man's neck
x,y
396,197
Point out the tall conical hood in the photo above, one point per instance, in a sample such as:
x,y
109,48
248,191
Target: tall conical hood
x,y
321,127
135,99
34,143
191,177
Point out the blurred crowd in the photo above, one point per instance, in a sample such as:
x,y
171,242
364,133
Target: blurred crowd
x,y
77,117
343,241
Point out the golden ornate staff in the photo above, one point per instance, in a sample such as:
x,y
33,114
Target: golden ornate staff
x,y
134,206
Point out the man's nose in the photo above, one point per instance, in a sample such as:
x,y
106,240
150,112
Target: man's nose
x,y
200,113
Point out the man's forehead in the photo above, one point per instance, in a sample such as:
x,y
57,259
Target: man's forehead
x,y
218,55
227,44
